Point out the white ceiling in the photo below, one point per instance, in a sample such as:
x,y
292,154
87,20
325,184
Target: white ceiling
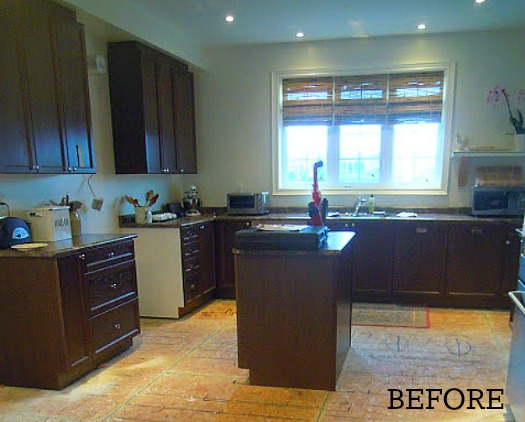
x,y
270,21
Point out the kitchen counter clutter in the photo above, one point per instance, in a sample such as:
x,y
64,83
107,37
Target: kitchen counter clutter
x,y
66,308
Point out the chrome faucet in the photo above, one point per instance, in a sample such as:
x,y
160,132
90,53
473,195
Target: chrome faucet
x,y
360,201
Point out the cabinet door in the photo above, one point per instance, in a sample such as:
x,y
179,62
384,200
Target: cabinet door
x,y
185,122
420,258
206,240
73,91
152,141
372,258
73,309
17,155
165,86
511,257
35,53
475,260
224,237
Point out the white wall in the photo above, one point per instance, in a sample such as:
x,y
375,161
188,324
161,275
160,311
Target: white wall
x,y
23,192
234,103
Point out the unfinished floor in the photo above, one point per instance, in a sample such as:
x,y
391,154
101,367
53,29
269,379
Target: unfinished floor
x,y
186,370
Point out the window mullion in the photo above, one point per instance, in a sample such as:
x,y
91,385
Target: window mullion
x,y
332,166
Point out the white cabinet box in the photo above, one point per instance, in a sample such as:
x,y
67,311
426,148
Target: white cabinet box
x,y
50,224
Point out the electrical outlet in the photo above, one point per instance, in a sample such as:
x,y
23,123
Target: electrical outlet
x,y
97,203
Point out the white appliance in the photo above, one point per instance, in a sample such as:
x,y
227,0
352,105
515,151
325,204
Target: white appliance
x,y
159,271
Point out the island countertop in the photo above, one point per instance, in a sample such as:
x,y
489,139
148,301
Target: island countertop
x,y
336,243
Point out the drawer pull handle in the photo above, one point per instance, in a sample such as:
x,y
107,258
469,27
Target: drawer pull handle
x,y
111,254
201,227
421,230
117,327
507,242
192,286
114,286
476,231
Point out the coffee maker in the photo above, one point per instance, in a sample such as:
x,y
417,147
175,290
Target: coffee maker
x,y
191,202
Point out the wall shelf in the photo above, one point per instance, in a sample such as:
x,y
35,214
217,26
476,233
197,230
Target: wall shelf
x,y
464,155
495,154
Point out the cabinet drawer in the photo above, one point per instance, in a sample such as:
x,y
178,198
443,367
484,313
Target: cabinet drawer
x,y
108,255
191,267
193,233
109,285
192,288
115,325
191,251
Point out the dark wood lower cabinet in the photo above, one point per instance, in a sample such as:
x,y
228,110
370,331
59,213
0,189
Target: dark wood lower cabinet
x,y
482,265
293,314
63,315
419,260
224,236
469,263
373,256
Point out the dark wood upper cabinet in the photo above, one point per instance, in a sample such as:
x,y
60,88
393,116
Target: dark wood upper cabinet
x,y
152,108
45,122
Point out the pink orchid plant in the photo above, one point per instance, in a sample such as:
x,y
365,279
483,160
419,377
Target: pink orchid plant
x,y
498,94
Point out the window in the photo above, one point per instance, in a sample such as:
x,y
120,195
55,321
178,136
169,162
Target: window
x,y
383,131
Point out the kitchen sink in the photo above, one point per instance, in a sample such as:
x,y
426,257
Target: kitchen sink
x,y
379,214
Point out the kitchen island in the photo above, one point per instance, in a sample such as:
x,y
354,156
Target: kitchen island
x,y
293,313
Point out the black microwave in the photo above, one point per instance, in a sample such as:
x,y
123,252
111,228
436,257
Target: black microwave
x,y
498,200
255,203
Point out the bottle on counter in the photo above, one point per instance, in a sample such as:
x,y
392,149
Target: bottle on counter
x,y
371,204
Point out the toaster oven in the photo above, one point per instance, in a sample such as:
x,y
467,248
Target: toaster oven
x,y
254,203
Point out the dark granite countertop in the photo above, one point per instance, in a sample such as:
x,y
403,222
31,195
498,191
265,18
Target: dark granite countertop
x,y
293,216
128,221
336,242
64,247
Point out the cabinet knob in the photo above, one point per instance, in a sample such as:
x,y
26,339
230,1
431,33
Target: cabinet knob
x,y
82,256
113,286
507,242
201,227
37,168
74,169
247,224
182,170
117,326
111,254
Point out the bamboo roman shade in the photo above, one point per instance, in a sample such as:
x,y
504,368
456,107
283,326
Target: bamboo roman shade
x,y
364,99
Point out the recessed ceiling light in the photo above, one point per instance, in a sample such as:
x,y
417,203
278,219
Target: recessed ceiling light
x,y
421,26
299,34
480,1
229,18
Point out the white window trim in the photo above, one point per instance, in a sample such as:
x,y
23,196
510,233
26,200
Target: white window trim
x,y
277,76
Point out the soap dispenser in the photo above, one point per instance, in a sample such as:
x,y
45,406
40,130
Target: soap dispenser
x,y
371,204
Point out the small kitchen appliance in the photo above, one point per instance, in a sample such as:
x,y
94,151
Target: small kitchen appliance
x,y
50,223
254,203
498,200
191,202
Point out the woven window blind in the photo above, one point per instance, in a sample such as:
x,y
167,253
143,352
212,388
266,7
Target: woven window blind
x,y
364,99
